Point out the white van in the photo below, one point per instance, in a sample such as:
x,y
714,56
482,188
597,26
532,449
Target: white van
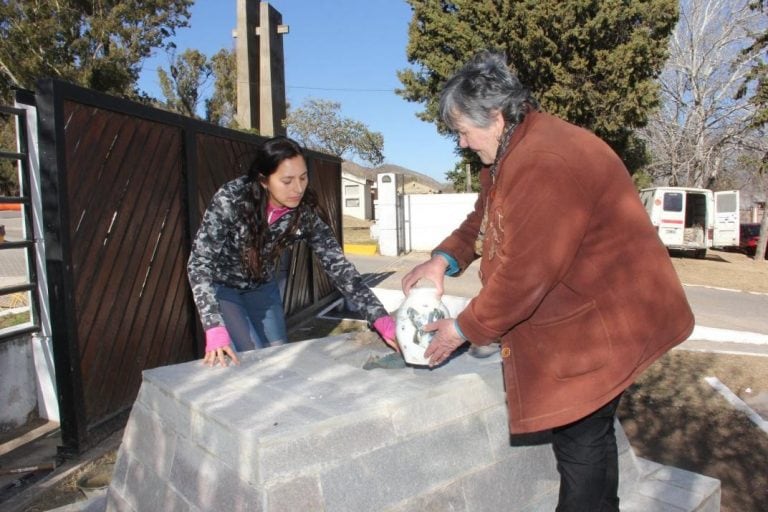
x,y
693,219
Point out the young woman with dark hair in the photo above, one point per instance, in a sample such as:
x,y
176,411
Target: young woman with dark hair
x,y
235,255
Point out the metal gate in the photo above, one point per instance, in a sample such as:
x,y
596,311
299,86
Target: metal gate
x,y
123,187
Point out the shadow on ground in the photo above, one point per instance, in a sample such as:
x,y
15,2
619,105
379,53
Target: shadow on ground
x,y
672,416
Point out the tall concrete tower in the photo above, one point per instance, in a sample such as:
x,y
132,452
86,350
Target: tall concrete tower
x,y
260,67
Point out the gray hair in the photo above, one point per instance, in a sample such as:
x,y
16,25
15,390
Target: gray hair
x,y
484,86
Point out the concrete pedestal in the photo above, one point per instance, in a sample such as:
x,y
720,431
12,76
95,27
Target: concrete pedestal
x,y
304,427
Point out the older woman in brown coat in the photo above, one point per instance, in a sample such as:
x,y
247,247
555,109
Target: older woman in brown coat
x,y
577,287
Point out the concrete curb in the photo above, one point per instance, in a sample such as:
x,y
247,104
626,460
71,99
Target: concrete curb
x,y
701,333
361,249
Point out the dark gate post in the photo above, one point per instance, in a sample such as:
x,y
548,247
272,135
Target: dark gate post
x,y
58,266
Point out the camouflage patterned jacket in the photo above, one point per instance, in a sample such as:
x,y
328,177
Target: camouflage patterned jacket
x,y
215,258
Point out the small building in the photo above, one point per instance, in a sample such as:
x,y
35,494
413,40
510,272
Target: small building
x,y
356,196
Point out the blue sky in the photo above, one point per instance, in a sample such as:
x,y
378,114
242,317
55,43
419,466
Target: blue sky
x,y
341,50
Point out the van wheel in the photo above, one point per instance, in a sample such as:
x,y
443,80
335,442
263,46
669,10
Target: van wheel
x,y
700,254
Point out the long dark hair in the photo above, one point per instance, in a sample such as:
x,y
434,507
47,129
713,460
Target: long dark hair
x,y
256,259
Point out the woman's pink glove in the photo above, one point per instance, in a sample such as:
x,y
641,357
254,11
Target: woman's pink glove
x,y
217,337
218,345
385,326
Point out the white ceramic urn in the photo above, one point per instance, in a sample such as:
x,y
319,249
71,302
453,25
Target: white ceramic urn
x,y
421,306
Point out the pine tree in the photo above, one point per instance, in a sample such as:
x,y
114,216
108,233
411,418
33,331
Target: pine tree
x,y
591,62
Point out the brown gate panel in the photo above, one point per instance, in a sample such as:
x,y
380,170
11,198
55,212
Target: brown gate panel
x,y
327,182
124,187
123,214
219,160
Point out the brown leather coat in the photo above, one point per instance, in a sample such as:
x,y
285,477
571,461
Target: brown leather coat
x,y
576,284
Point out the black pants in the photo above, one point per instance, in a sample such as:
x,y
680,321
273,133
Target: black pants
x,y
588,462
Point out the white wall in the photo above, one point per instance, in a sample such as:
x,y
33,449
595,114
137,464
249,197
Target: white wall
x,y
356,197
18,389
432,217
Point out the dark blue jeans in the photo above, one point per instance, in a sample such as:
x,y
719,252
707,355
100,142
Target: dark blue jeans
x,y
588,462
254,318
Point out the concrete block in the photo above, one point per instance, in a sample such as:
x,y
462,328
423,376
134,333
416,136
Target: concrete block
x,y
545,503
220,439
628,467
495,420
194,384
302,493
678,486
684,479
304,427
262,410
350,349
97,504
391,474
646,467
208,484
191,380
148,440
328,443
640,503
146,490
527,474
338,389
712,503
116,503
459,396
120,471
684,499
176,415
448,498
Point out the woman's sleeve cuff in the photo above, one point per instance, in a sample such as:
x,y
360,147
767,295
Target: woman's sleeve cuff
x,y
458,329
453,265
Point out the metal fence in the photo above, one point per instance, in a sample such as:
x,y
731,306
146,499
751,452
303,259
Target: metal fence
x,y
19,304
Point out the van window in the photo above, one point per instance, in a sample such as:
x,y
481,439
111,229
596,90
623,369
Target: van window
x,y
726,203
673,201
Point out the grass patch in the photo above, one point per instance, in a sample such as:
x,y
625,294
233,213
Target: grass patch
x,y
14,319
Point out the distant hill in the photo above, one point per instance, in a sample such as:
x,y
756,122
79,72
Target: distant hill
x,y
409,175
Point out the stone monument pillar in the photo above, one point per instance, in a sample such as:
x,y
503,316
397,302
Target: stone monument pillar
x,y
260,67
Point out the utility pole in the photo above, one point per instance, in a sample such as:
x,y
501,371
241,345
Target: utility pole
x,y
260,67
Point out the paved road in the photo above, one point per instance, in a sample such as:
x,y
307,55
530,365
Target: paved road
x,y
13,262
729,309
